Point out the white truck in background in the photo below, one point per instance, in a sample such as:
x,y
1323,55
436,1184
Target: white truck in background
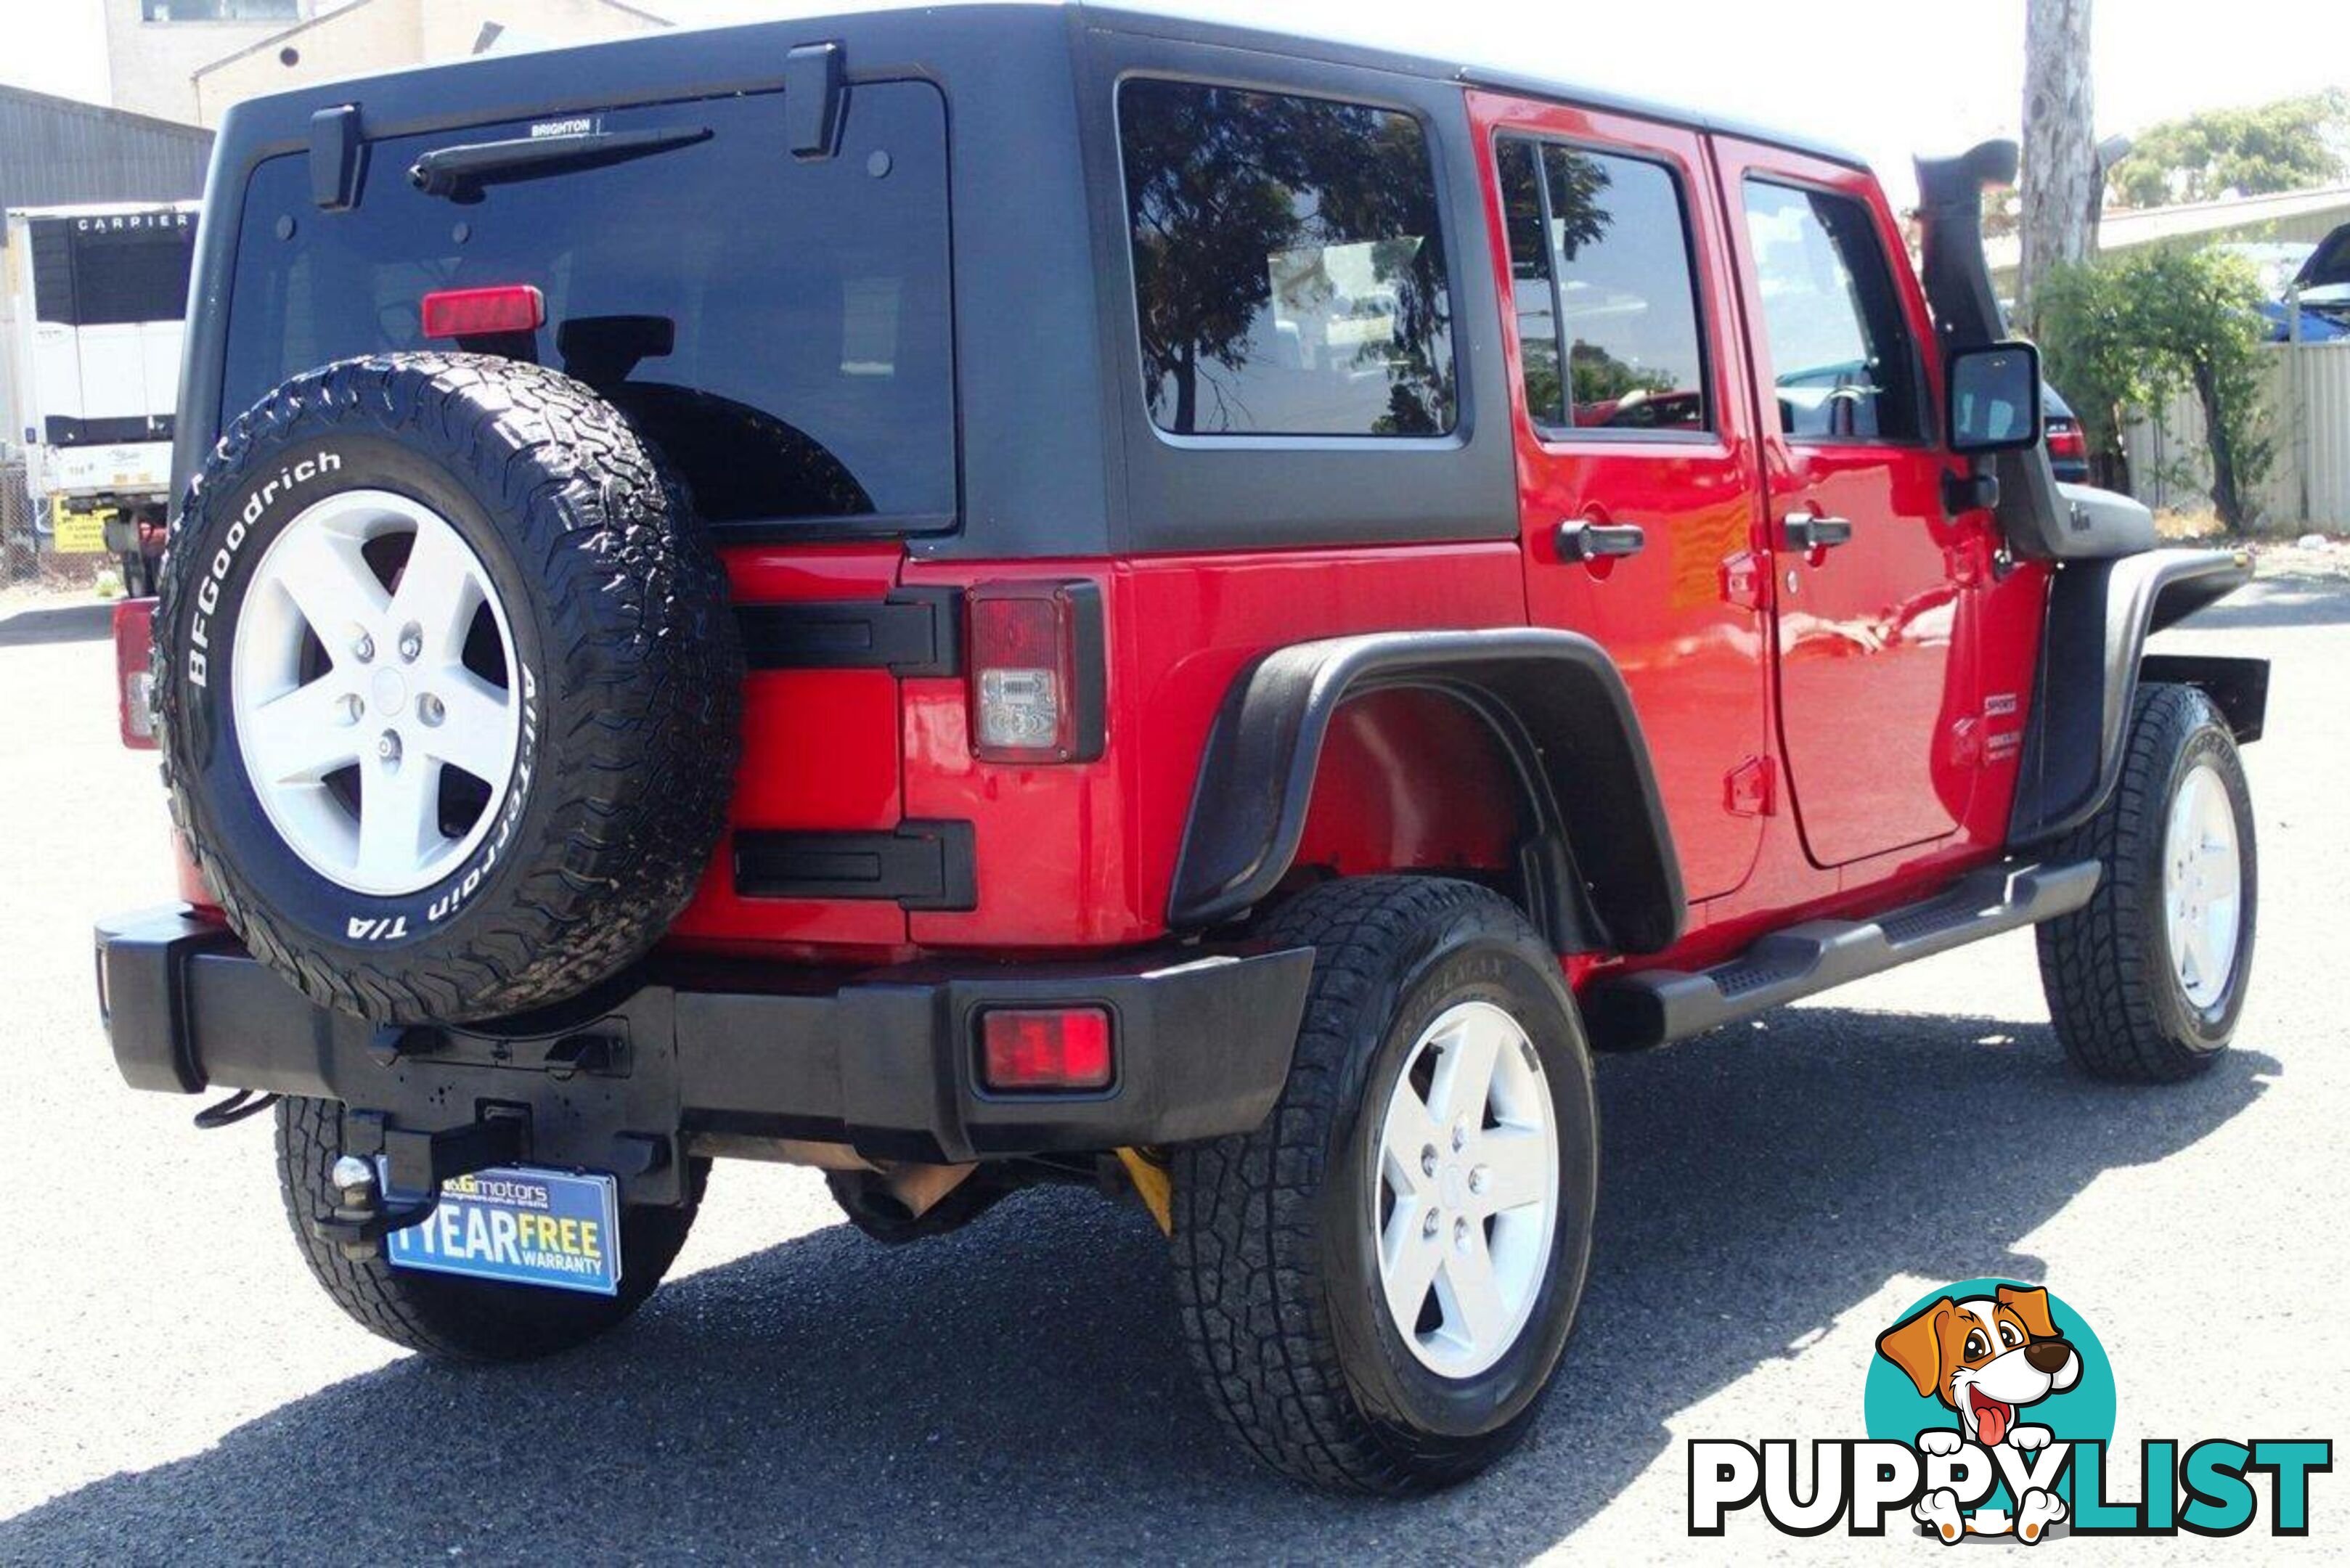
x,y
97,300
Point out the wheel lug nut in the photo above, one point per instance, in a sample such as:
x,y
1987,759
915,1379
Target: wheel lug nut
x,y
429,709
351,708
1427,1160
411,644
387,746
364,648
1428,1225
1459,1137
1479,1179
1461,1233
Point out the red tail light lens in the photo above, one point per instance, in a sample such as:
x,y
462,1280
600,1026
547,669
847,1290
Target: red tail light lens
x,y
134,679
483,311
2067,443
1039,1050
1036,673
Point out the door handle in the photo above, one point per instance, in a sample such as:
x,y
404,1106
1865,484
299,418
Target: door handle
x,y
1808,531
1580,541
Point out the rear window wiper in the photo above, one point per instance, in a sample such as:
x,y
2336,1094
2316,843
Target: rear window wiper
x,y
456,170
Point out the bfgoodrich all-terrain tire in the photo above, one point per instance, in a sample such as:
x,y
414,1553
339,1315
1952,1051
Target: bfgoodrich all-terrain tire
x,y
449,687
1377,1284
2145,981
471,1320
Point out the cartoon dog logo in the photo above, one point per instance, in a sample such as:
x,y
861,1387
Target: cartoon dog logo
x,y
1987,1358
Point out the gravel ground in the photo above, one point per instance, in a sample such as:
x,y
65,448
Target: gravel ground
x,y
174,1388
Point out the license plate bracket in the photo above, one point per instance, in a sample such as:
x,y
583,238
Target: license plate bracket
x,y
520,1225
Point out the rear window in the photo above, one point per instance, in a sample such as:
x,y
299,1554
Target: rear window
x,y
781,328
1288,268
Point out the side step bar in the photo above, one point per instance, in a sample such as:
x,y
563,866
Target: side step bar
x,y
1656,1005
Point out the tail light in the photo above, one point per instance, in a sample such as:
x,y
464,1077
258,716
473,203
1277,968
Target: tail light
x,y
2067,442
1036,680
134,675
1045,1050
483,312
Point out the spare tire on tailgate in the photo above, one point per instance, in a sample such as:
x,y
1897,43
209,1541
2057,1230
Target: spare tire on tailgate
x,y
448,684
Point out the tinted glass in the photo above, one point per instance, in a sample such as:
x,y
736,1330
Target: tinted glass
x,y
1840,346
779,327
1611,288
1287,264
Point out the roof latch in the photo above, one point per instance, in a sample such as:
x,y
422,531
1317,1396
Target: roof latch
x,y
813,99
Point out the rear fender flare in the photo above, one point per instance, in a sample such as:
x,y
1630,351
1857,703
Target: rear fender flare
x,y
1599,849
2091,656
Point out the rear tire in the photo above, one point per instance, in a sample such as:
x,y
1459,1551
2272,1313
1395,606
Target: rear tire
x,y
1295,1244
2145,981
465,1320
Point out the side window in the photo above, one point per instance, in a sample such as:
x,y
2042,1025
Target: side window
x,y
1599,260
1288,269
1839,345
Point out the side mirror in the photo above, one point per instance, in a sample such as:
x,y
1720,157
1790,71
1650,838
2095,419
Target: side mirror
x,y
1995,398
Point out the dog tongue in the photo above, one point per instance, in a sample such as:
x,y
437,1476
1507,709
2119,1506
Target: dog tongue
x,y
1991,1420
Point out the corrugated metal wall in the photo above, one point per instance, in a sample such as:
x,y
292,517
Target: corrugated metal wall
x,y
2309,407
54,151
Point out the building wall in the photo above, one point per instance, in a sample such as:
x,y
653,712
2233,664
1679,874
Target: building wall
x,y
390,34
152,66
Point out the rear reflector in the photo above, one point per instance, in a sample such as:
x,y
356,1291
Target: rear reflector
x,y
134,678
481,312
1033,1050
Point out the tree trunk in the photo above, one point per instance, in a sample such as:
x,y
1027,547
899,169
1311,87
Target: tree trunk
x,y
2060,144
2227,500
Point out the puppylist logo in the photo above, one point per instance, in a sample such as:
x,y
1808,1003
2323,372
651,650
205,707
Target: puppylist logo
x,y
1988,1408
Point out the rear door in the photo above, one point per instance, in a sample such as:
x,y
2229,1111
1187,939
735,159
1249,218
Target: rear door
x,y
1867,564
781,327
1618,275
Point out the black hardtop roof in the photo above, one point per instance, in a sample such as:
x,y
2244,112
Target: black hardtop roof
x,y
686,46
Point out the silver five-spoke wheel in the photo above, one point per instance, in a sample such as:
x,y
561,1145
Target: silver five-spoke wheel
x,y
1467,1196
2202,885
373,688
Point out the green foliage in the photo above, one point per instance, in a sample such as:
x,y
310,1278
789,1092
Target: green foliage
x,y
2288,145
2133,328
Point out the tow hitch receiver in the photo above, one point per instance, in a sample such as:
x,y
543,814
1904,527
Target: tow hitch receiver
x,y
414,1164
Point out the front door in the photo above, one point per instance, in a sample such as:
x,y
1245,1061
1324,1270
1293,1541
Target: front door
x,y
1628,442
1867,562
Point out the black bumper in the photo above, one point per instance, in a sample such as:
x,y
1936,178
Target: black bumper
x,y
882,1060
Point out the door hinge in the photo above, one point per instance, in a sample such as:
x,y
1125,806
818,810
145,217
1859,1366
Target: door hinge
x,y
1748,789
1742,579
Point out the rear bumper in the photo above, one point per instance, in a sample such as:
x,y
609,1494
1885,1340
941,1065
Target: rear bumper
x,y
883,1061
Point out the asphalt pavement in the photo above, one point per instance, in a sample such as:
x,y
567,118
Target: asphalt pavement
x,y
173,1386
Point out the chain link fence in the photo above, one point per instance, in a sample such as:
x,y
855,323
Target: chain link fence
x,y
19,547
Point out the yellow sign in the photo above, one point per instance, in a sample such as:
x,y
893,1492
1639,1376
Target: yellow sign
x,y
77,533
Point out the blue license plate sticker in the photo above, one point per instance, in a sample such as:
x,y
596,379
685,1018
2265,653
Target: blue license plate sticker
x,y
520,1226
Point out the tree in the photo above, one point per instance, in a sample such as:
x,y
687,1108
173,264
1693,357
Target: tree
x,y
2287,145
2130,330
2060,153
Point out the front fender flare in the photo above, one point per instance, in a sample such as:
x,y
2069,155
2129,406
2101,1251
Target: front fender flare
x,y
2099,615
1555,700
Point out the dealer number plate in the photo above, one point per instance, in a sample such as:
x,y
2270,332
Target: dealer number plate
x,y
520,1226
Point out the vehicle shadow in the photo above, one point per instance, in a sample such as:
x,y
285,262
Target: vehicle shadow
x,y
58,623
1018,1389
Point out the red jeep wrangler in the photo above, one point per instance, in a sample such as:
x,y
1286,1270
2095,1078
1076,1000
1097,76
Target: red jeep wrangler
x,y
987,597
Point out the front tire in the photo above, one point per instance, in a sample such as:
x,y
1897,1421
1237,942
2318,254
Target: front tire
x,y
2145,981
1377,1284
443,1315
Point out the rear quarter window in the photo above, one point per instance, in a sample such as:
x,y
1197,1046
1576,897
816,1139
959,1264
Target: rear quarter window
x,y
1288,265
780,328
